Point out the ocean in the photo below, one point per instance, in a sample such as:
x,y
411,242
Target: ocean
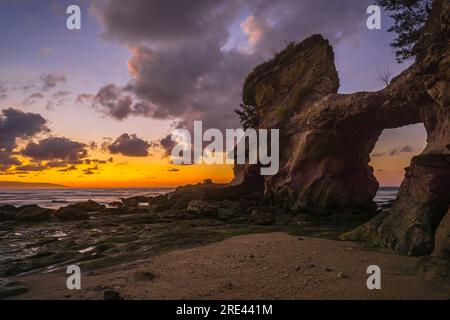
x,y
56,198
385,195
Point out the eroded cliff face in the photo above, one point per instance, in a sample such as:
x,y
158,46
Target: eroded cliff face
x,y
326,138
423,202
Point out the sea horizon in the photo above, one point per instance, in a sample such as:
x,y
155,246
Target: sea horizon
x,y
55,198
61,197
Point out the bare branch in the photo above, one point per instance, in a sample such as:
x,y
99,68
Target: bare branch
x,y
385,76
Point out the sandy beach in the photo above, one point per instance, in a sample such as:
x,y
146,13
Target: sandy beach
x,y
258,266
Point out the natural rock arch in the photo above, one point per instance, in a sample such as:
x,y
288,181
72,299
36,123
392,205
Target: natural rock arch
x,y
326,138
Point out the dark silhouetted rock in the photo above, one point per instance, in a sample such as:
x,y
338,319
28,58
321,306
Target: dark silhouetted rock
x,y
111,295
202,207
263,216
71,214
87,206
12,289
33,214
7,215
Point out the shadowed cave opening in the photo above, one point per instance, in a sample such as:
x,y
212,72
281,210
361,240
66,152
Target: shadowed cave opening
x,y
391,155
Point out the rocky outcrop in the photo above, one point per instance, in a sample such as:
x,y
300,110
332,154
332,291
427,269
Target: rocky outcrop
x,y
424,198
326,138
33,214
71,214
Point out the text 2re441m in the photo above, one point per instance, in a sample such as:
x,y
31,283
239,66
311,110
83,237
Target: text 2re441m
x,y
226,309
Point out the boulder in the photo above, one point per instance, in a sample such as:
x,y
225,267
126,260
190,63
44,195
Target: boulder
x,y
202,207
8,207
111,295
33,214
87,206
7,215
12,290
263,216
71,214
442,239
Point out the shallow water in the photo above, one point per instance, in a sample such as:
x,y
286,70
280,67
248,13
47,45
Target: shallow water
x,y
56,198
385,195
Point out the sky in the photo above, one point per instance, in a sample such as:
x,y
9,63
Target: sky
x,y
94,107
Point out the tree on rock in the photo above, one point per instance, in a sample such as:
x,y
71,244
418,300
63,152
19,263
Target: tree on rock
x,y
409,19
247,116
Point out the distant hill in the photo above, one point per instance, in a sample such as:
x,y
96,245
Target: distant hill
x,y
28,185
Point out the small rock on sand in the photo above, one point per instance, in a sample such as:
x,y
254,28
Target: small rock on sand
x,y
111,295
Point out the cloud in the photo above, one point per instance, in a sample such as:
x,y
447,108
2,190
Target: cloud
x,y
68,169
186,63
31,99
254,30
7,160
91,171
407,149
56,148
167,145
378,154
31,167
173,170
162,21
130,145
60,94
116,102
395,151
110,101
51,80
84,97
45,52
98,161
16,124
3,92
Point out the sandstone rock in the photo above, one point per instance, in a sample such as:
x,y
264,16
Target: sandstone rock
x,y
225,214
202,207
424,197
442,240
326,138
33,214
263,216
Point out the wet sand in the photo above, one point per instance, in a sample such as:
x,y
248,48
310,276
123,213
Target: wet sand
x,y
257,266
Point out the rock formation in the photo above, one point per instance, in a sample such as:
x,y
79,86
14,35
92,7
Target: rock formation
x,y
326,139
